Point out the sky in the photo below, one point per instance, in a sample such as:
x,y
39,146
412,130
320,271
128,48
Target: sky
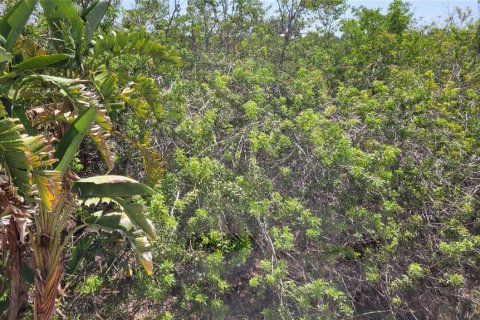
x,y
425,11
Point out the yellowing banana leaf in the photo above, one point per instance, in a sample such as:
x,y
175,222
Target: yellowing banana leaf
x,y
101,140
142,245
147,262
49,185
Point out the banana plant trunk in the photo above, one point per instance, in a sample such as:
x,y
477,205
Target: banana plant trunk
x,y
49,274
15,256
47,252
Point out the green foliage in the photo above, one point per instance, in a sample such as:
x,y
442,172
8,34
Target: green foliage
x,y
91,285
303,173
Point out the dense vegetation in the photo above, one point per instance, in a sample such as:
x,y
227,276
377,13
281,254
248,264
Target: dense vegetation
x,y
301,165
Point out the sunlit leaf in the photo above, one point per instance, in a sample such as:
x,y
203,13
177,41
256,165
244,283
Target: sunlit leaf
x,y
49,185
70,142
39,62
109,186
93,16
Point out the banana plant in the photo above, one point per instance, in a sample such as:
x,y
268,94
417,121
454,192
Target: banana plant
x,y
38,144
22,179
24,162
48,245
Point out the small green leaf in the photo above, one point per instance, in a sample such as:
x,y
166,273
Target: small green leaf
x,y
80,250
4,55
